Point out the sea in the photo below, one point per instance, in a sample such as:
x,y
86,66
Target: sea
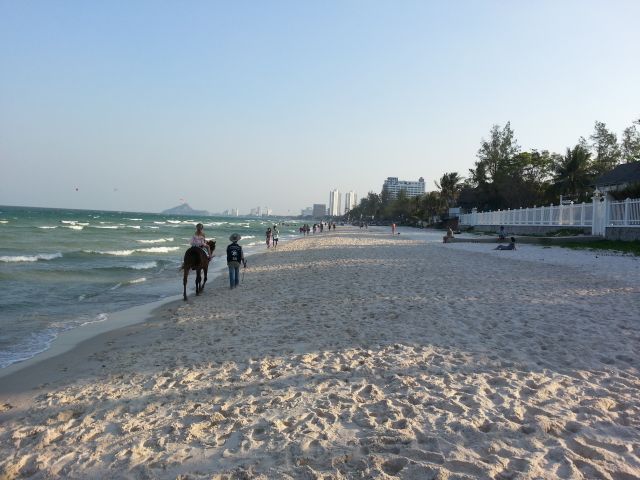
x,y
61,269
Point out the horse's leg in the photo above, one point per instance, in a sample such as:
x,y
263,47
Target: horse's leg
x,y
205,276
184,284
198,278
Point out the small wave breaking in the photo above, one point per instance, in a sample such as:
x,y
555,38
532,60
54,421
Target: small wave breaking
x,y
29,258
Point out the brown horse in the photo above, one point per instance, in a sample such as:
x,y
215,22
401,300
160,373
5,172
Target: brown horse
x,y
196,259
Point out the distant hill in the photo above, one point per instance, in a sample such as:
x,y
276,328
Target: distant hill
x,y
184,209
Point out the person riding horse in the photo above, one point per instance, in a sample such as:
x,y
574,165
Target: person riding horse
x,y
199,240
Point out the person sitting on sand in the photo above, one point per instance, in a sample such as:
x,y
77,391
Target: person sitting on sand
x,y
448,236
199,240
511,246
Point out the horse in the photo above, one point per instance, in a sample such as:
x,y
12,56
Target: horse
x,y
196,259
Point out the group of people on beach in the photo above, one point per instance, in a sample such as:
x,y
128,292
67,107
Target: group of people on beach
x,y
235,255
317,227
272,236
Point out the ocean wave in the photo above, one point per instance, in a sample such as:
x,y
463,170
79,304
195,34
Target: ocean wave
x,y
174,221
134,226
110,227
74,227
4,221
157,240
69,222
118,253
160,223
28,347
158,249
143,265
124,253
137,280
134,219
30,258
151,226
101,317
47,227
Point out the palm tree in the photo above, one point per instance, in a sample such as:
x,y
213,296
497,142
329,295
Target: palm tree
x,y
572,173
449,186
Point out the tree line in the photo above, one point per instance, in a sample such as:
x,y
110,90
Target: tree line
x,y
504,177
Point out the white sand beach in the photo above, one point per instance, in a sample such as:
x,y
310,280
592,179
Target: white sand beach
x,y
353,354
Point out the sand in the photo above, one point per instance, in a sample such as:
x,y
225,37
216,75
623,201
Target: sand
x,y
353,355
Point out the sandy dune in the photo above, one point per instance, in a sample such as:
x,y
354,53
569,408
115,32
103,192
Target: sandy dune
x,y
354,355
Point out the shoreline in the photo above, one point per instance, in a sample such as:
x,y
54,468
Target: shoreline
x,y
67,340
327,362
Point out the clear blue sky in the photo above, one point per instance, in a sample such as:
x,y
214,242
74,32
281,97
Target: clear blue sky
x,y
240,104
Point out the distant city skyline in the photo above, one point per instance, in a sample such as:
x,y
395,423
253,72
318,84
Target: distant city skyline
x,y
234,105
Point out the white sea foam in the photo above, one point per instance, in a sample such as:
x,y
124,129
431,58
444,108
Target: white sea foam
x,y
160,223
174,221
30,258
69,222
4,221
158,249
134,226
109,227
119,253
75,227
144,265
134,219
116,286
47,227
101,317
157,240
150,226
138,280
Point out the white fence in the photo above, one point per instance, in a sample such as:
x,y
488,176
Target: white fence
x,y
597,214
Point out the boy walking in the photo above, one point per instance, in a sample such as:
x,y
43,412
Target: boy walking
x,y
235,256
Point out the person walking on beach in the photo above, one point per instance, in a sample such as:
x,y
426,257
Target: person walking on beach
x,y
268,235
199,240
235,257
274,236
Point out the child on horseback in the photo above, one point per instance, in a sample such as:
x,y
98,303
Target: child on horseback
x,y
199,240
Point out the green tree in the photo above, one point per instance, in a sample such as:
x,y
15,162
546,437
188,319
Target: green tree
x,y
605,145
494,154
449,187
573,172
630,144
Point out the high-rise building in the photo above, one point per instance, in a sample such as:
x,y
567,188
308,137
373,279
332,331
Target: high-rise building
x,y
335,198
412,189
234,212
307,212
350,201
319,210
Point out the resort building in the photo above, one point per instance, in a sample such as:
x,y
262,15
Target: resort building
x,y
350,201
319,210
412,189
335,198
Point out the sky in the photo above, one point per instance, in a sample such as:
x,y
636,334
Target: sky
x,y
142,105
